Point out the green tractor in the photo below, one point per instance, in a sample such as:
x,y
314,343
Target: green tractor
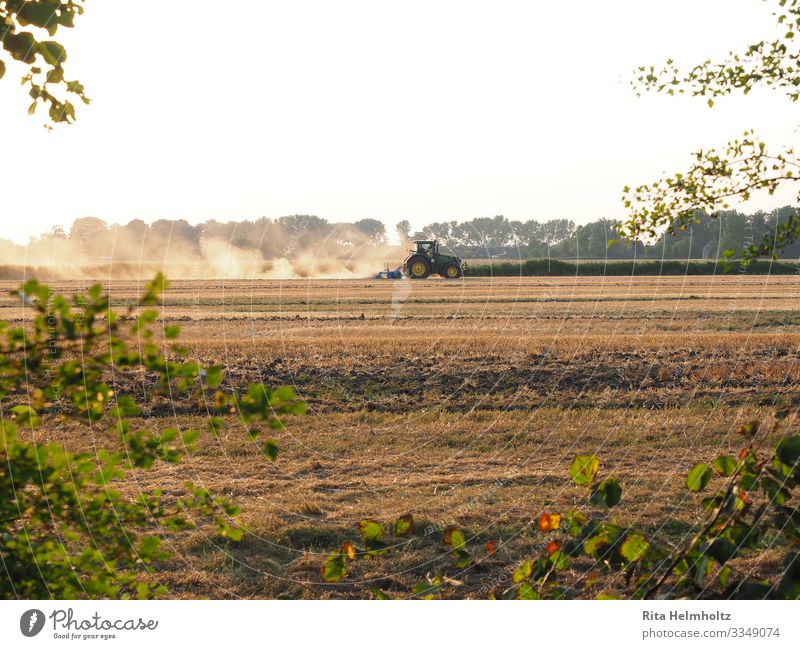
x,y
427,259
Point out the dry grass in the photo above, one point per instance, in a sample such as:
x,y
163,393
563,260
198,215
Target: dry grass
x,y
462,403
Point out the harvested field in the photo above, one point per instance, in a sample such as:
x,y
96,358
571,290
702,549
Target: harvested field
x,y
462,403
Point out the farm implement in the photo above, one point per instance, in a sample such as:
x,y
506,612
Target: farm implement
x,y
397,273
426,259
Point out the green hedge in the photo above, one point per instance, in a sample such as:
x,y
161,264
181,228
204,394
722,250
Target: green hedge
x,y
557,267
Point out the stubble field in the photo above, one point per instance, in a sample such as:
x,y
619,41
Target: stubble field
x,y
461,403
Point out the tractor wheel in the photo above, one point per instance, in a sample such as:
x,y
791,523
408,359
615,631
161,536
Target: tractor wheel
x,y
451,271
418,267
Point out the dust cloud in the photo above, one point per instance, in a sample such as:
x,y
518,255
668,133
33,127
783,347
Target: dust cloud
x,y
287,248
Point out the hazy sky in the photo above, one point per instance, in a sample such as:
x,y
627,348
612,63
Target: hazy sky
x,y
419,110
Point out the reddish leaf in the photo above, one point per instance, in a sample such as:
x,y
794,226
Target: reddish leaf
x,y
549,522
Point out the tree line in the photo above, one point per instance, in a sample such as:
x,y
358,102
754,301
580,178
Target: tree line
x,y
706,238
485,237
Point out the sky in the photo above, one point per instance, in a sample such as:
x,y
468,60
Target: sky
x,y
425,111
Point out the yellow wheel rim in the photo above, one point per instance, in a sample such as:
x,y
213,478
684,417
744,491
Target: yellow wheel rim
x,y
452,271
418,269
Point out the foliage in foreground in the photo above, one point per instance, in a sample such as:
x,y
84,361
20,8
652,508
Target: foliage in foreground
x,y
26,31
756,508
66,531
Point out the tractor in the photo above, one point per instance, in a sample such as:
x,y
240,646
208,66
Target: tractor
x,y
427,259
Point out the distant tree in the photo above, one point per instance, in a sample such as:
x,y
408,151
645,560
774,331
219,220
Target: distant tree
x,y
299,224
778,221
24,28
744,165
137,229
557,231
176,233
735,230
523,232
495,232
403,229
373,228
271,238
444,232
87,229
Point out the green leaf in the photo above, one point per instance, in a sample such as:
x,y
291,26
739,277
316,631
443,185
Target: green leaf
x,y
698,477
722,550
37,13
26,416
725,465
574,522
21,46
55,75
635,547
213,376
454,538
788,450
215,425
461,558
53,52
380,595
282,395
560,560
270,449
126,407
172,331
524,571
404,525
607,493
527,591
584,469
724,576
426,590
606,534
370,530
335,568
189,437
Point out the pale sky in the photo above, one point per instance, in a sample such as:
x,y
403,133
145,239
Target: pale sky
x,y
420,110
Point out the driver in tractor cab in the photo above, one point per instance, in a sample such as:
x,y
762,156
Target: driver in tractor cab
x,y
428,248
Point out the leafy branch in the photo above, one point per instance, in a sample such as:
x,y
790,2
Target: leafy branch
x,y
24,27
673,203
66,528
744,166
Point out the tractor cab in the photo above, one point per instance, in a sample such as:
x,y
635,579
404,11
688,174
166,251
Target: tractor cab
x,y
427,248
